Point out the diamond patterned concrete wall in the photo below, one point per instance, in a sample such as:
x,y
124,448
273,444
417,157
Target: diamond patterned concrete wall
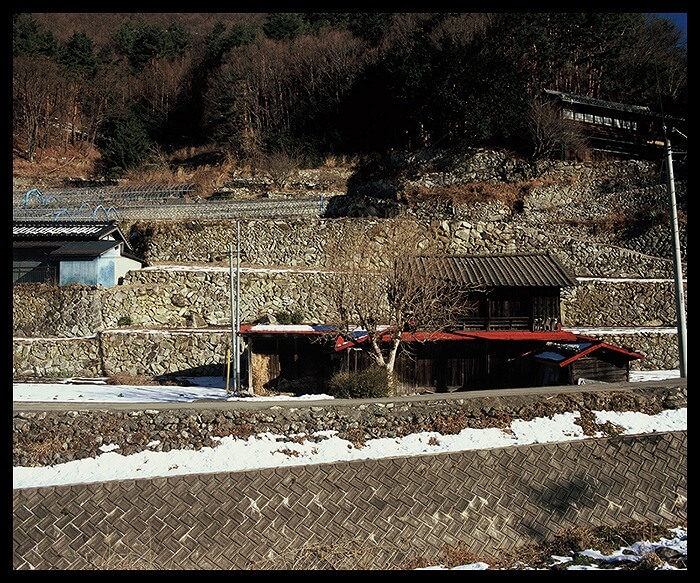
x,y
379,513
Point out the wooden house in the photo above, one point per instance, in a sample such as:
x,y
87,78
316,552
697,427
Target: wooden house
x,y
65,252
519,291
508,343
615,130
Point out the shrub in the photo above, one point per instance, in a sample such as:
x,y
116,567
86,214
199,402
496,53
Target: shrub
x,y
124,321
294,317
366,384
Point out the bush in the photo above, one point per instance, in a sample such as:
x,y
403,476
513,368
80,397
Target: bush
x,y
366,384
294,317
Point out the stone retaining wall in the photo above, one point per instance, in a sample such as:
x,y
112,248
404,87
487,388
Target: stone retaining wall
x,y
50,437
185,297
620,303
170,302
308,243
285,261
203,353
57,357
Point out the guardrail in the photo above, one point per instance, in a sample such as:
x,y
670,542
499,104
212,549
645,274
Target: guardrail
x,y
101,204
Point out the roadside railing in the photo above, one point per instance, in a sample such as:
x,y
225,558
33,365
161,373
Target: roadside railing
x,y
170,203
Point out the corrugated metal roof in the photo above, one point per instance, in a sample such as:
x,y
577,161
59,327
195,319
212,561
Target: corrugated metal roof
x,y
562,357
571,98
514,270
36,244
84,248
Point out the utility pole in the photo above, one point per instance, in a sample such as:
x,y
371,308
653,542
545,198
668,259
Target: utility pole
x,y
680,295
234,331
235,295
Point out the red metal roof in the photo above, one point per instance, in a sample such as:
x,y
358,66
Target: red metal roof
x,y
360,336
289,329
631,355
469,335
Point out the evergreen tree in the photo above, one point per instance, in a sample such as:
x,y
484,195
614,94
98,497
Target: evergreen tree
x,y
28,40
125,146
78,55
143,44
284,26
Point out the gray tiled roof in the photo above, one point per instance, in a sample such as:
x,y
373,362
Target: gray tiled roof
x,y
67,231
571,98
507,270
62,229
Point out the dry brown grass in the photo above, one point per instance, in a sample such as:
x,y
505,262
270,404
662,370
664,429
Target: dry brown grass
x,y
261,369
472,192
122,378
364,555
43,449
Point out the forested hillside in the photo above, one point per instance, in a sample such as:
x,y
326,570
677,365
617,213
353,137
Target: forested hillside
x,y
117,95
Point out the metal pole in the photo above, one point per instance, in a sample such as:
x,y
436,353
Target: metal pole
x,y
238,304
233,318
228,368
680,295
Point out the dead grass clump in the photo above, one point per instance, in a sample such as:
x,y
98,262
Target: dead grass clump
x,y
43,449
123,378
160,174
510,194
123,558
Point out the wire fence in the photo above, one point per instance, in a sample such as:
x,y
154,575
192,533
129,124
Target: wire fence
x,y
152,202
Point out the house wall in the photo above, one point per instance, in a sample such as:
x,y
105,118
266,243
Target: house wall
x,y
609,371
106,276
122,266
82,272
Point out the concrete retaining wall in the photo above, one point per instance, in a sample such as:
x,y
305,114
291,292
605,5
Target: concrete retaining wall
x,y
376,514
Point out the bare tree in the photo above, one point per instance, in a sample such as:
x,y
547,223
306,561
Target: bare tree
x,y
35,83
281,166
386,284
159,83
552,134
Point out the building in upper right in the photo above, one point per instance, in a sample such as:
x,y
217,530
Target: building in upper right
x,y
615,130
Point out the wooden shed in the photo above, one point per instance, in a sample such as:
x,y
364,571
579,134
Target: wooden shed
x,y
303,359
518,291
581,362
